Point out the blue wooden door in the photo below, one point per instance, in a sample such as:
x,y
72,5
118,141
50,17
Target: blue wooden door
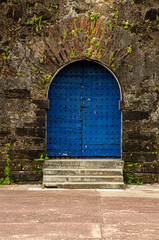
x,y
84,118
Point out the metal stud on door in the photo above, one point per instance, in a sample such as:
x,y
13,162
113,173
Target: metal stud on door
x,y
84,119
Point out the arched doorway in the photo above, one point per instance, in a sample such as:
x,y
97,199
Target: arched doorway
x,y
84,119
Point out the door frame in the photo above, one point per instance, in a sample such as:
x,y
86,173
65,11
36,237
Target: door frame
x,y
102,64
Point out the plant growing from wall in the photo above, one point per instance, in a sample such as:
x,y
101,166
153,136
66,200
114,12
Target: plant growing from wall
x,y
110,24
132,180
37,22
116,16
65,34
129,50
88,52
127,25
6,180
111,59
45,78
94,16
18,72
42,158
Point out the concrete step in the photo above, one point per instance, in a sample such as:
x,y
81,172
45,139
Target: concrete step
x,y
67,179
82,172
81,185
84,163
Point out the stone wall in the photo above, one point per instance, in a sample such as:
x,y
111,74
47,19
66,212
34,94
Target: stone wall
x,y
37,38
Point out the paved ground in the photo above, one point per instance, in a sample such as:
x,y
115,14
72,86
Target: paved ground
x,y
30,212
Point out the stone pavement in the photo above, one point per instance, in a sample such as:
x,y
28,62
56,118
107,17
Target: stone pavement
x,y
31,212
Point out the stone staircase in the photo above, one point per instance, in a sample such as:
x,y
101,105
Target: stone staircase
x,y
83,173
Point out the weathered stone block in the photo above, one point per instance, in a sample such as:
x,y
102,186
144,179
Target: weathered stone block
x,y
4,133
131,167
127,125
41,113
134,115
31,132
136,135
139,157
21,131
26,154
32,165
17,93
131,147
41,103
3,164
40,122
40,132
26,176
152,167
15,165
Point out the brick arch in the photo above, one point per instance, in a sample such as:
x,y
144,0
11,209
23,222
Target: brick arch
x,y
79,38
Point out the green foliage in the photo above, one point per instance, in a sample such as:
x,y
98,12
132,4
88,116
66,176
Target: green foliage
x,y
116,16
132,164
96,45
39,168
126,25
42,158
73,53
65,34
92,41
6,180
130,68
110,25
73,32
94,16
5,55
132,180
103,32
98,56
129,50
111,58
147,20
41,60
88,52
18,72
50,8
37,21
13,13
8,144
45,78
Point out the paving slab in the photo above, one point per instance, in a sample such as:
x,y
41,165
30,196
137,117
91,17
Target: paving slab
x,y
31,212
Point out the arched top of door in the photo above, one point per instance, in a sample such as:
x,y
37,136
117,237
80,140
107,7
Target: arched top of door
x,y
93,61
